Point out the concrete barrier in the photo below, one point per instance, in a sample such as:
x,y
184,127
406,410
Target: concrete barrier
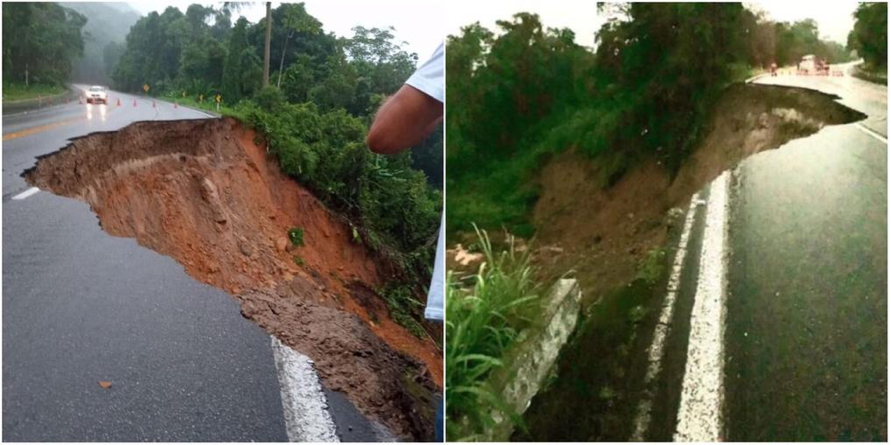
x,y
536,352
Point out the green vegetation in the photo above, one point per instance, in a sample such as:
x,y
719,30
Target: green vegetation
x,y
651,268
482,323
403,308
40,41
295,234
531,92
870,39
18,91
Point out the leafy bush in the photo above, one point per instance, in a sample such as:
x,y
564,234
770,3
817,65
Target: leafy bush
x,y
404,309
295,234
482,324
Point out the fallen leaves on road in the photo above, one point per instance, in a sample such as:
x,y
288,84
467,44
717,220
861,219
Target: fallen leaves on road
x,y
104,384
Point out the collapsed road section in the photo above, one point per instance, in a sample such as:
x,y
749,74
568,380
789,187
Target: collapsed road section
x,y
206,193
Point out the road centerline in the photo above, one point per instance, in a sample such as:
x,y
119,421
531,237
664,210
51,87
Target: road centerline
x,y
699,415
31,191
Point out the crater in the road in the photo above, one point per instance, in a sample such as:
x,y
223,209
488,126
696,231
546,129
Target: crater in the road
x,y
206,193
615,239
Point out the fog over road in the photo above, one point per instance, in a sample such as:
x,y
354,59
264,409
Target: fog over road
x,y
780,329
81,306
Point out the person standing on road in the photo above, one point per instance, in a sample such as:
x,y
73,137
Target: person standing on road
x,y
405,120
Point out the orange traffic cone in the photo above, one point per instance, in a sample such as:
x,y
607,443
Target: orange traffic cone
x,y
134,102
153,104
175,105
119,101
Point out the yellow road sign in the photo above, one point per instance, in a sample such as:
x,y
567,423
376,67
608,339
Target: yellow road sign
x,y
219,98
145,88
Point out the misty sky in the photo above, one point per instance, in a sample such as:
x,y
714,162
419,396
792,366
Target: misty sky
x,y
419,23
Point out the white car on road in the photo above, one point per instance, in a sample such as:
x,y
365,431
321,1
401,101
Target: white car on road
x,y
97,93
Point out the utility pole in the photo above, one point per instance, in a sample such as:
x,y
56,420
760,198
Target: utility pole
x,y
268,43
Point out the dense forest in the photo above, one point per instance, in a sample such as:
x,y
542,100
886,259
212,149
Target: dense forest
x,y
870,34
644,92
40,43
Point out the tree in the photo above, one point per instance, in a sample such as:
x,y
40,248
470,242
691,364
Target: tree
x,y
232,85
40,42
296,21
268,43
870,34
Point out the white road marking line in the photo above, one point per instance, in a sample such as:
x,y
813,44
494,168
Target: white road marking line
x,y
26,193
872,133
702,394
657,349
305,406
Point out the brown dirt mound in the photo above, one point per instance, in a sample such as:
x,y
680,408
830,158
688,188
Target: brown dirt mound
x,y
204,193
604,233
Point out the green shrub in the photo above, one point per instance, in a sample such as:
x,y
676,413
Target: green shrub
x,y
295,234
482,323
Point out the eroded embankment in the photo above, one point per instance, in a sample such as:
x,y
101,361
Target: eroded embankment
x,y
205,193
605,233
605,236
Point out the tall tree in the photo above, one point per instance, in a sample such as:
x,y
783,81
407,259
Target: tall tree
x,y
870,34
268,43
40,42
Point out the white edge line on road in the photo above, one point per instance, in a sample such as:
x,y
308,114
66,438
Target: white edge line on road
x,y
657,348
872,133
304,404
26,193
702,392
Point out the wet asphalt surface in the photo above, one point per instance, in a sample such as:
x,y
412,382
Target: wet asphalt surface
x,y
80,306
805,340
807,295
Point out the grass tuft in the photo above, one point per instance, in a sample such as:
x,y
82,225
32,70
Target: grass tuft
x,y
482,323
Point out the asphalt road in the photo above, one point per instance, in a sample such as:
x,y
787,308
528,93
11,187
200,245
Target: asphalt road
x,y
780,320
81,306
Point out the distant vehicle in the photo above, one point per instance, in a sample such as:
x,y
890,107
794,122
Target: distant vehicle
x,y
808,63
97,94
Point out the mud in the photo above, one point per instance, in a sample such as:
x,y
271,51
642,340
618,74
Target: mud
x,y
605,233
206,193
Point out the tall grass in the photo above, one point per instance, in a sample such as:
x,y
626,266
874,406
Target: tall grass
x,y
482,323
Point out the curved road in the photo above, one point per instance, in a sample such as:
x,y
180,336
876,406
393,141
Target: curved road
x,y
80,306
780,325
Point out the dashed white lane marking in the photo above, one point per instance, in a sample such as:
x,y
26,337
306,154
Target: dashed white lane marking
x,y
26,193
702,393
657,348
305,406
872,133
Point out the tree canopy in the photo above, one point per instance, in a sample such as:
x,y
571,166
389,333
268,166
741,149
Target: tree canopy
x,y
40,42
870,34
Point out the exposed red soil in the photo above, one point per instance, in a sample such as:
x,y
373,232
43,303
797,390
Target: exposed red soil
x,y
206,193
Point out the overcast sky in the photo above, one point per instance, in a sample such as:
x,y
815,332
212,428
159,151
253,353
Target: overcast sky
x,y
834,18
419,22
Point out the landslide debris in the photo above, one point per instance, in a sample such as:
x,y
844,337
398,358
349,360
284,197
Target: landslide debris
x,y
206,193
604,233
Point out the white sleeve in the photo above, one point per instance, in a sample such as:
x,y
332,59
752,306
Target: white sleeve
x,y
430,76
